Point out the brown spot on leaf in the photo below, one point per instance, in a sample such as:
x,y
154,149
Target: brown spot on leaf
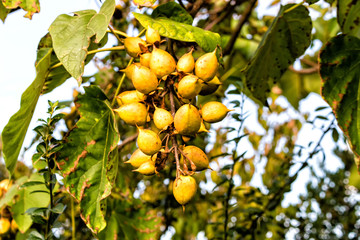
x,y
85,185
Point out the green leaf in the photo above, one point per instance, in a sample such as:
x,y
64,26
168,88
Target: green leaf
x,y
340,71
71,36
14,132
180,31
286,39
26,199
3,12
348,16
173,11
86,161
311,1
12,192
144,3
30,6
32,183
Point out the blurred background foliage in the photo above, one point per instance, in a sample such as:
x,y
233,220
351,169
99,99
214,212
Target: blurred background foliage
x,y
254,162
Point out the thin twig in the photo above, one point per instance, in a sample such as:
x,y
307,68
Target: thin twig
x,y
127,141
305,70
120,83
115,34
243,19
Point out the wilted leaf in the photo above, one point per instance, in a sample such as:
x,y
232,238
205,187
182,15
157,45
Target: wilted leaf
x,y
180,31
173,11
86,161
348,12
3,12
30,6
71,36
287,38
340,71
14,132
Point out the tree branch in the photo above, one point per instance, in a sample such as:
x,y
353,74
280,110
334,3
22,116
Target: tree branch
x,y
243,19
127,141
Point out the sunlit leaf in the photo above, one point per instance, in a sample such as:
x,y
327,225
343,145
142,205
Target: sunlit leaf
x,y
180,31
3,12
173,11
287,38
30,6
71,36
340,71
14,132
144,3
86,161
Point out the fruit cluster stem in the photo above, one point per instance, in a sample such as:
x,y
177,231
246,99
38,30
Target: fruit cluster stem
x,y
120,83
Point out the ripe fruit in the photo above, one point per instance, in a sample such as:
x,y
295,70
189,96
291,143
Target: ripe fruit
x,y
206,66
132,45
186,63
4,225
147,168
145,59
162,118
152,36
148,141
130,70
138,158
13,226
184,189
197,156
161,62
187,120
130,97
133,113
210,87
189,86
144,79
213,112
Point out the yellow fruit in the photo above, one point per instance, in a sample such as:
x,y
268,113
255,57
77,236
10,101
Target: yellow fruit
x,y
138,158
186,138
132,45
189,86
145,59
184,189
206,66
210,87
186,63
213,112
144,79
130,70
187,120
147,168
161,62
152,36
148,141
162,118
4,225
197,156
130,97
133,113
13,226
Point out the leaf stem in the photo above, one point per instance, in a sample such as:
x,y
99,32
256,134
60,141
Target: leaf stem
x,y
73,230
120,83
293,7
117,32
117,48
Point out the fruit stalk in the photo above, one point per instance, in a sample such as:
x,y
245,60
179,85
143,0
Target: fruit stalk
x,y
120,83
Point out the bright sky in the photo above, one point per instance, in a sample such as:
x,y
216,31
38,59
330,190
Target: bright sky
x,y
18,44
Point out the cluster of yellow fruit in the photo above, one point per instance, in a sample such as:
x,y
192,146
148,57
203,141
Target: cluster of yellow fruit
x,y
5,224
164,100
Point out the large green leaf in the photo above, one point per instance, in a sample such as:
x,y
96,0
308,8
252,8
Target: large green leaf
x,y
71,36
287,38
180,31
86,161
15,130
348,12
3,12
130,220
30,6
340,71
28,199
173,11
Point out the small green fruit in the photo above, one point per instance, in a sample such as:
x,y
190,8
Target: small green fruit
x,y
152,36
187,120
197,156
130,97
186,63
144,79
133,113
184,189
206,66
138,158
162,118
161,62
147,168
